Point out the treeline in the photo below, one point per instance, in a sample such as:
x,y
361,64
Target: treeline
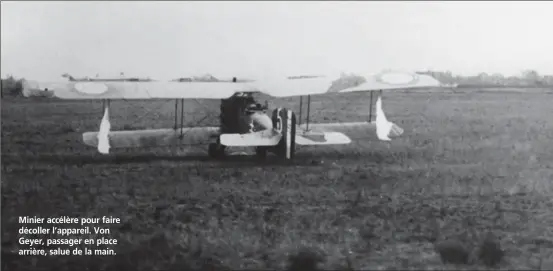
x,y
11,86
527,79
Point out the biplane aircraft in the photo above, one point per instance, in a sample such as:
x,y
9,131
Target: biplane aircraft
x,y
243,122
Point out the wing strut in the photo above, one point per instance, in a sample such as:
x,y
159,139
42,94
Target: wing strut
x,y
371,107
175,127
181,118
308,109
105,104
301,103
176,110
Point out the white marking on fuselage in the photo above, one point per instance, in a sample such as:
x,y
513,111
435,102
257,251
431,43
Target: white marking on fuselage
x,y
279,122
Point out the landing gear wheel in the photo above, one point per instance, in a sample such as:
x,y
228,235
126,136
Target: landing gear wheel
x,y
284,121
216,151
261,153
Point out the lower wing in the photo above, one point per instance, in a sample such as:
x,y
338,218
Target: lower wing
x,y
276,87
318,134
262,138
153,137
344,133
330,132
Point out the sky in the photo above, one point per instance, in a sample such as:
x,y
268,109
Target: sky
x,y
167,40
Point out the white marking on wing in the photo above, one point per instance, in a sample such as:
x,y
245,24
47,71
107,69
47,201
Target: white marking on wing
x,y
91,88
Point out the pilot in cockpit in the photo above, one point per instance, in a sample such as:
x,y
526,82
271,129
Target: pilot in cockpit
x,y
256,117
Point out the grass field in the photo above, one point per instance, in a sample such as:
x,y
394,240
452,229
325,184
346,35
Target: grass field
x,y
468,164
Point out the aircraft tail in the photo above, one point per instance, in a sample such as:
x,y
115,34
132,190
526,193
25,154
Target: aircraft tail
x,y
103,134
384,128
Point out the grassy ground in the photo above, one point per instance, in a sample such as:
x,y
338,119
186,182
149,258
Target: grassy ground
x,y
468,164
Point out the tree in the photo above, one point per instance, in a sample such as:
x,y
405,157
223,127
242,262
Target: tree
x,y
531,77
12,86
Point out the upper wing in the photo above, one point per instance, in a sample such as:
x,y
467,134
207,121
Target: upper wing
x,y
138,90
312,85
149,138
277,87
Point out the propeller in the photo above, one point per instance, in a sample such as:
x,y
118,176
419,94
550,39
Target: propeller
x,y
385,128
